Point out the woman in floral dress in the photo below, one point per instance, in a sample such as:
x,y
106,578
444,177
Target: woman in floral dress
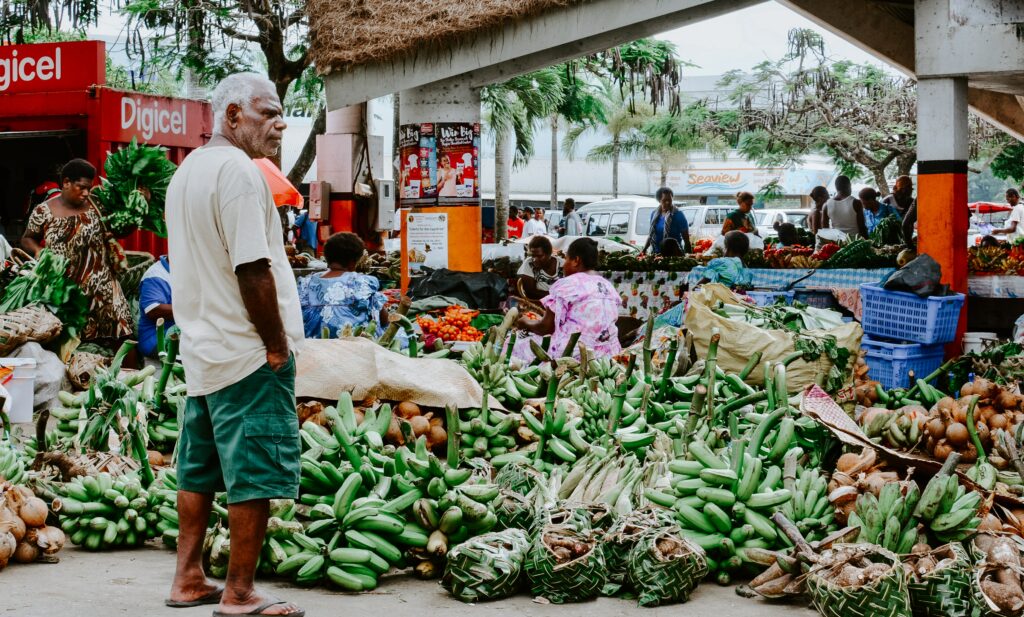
x,y
70,225
340,297
583,302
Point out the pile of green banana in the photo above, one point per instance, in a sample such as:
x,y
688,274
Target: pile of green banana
x,y
888,521
896,430
946,509
724,503
103,512
279,544
559,439
487,433
809,508
12,466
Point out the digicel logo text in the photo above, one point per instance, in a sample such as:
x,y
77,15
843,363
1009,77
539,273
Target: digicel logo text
x,y
29,68
151,119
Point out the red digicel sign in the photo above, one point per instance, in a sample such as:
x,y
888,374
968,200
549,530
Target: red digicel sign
x,y
51,67
151,119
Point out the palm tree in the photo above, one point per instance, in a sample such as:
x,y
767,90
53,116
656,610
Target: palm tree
x,y
582,105
623,123
667,139
512,109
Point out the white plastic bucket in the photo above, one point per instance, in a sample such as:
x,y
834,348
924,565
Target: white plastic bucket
x,y
974,342
21,387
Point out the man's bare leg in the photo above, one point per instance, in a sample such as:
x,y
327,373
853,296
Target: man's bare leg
x,y
190,582
248,522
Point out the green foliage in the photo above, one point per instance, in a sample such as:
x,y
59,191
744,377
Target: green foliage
x,y
1009,165
46,282
123,205
518,104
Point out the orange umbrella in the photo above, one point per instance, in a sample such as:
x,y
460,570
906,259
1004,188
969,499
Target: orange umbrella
x,y
285,193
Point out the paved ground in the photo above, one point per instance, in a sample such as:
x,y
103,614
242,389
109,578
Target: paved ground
x,y
134,583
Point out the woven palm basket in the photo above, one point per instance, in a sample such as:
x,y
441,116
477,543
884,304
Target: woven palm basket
x,y
664,567
565,565
946,590
131,278
624,534
514,511
985,603
487,567
29,323
883,597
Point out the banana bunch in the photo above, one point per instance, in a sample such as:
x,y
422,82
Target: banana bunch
x,y
597,402
895,429
781,430
948,511
888,521
102,512
602,479
12,467
279,543
490,369
560,439
487,433
330,455
810,508
723,504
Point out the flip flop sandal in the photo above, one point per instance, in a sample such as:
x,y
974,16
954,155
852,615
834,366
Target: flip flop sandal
x,y
211,598
259,611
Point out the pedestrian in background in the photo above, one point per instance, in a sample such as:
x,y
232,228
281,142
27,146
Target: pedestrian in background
x,y
514,225
741,218
536,226
819,195
844,212
572,224
874,210
667,221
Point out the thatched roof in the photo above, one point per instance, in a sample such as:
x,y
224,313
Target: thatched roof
x,y
348,33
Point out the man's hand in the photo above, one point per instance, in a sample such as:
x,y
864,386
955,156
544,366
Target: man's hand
x,y
277,359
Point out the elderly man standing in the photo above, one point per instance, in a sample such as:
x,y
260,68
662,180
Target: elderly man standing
x,y
236,303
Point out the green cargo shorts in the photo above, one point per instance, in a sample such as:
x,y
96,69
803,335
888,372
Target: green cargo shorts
x,y
243,438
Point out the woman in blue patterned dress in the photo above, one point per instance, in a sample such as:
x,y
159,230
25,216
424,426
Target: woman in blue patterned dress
x,y
340,296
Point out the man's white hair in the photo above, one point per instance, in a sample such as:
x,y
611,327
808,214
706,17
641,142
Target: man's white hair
x,y
239,89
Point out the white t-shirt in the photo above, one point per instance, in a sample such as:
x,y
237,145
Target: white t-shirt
x,y
221,214
544,280
534,227
1017,214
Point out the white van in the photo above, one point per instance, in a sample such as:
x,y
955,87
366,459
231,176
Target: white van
x,y
706,221
627,218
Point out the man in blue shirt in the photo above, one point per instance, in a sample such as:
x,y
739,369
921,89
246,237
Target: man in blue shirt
x,y
874,210
154,303
307,230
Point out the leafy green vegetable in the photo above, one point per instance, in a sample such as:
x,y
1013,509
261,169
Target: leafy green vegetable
x,y
888,231
119,198
47,283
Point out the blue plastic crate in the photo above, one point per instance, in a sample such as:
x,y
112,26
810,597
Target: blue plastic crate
x,y
890,363
765,298
822,299
902,316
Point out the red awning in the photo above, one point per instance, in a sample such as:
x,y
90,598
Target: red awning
x,y
285,193
987,207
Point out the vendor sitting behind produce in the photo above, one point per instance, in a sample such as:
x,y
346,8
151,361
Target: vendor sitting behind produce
x,y
729,270
155,303
581,302
787,235
340,296
540,270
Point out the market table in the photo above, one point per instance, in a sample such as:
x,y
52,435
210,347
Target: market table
x,y
995,286
644,292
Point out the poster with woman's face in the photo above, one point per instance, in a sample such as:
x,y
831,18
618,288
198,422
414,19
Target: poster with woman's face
x,y
457,162
417,164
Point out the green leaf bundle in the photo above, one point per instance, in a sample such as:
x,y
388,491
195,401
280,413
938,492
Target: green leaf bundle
x,y
119,198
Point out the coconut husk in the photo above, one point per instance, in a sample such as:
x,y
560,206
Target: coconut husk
x,y
348,33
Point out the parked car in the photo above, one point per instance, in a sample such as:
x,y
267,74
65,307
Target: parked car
x,y
706,221
628,218
766,219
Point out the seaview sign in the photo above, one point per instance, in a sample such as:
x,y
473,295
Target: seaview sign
x,y
51,67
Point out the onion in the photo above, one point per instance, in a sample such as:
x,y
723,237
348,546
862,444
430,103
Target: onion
x,y
394,434
848,462
436,436
936,428
26,553
33,511
942,450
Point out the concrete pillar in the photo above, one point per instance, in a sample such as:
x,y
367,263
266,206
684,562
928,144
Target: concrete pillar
x,y
448,101
942,145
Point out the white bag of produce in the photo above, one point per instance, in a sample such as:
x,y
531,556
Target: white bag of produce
x,y
327,367
741,339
